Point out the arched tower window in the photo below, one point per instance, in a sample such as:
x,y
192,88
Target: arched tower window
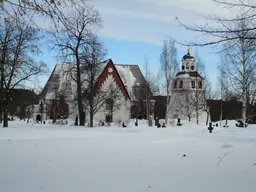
x,y
193,84
200,85
175,84
187,65
181,84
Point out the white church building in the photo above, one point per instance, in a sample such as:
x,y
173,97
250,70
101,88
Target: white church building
x,y
187,96
118,89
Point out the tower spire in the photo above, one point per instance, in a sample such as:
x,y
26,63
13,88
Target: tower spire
x,y
188,49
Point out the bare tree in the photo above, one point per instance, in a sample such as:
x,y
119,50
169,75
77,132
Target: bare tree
x,y
201,92
29,112
91,57
98,97
114,101
239,66
225,29
198,98
184,101
169,68
18,41
200,64
224,86
72,40
150,86
53,11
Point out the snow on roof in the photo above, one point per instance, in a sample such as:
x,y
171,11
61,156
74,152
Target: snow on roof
x,y
126,76
62,80
189,74
185,75
132,78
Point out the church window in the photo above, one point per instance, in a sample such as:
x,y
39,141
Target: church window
x,y
110,70
192,67
193,84
183,67
181,84
187,65
175,84
200,85
109,104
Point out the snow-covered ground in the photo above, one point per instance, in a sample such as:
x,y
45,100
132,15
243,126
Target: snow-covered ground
x,y
54,158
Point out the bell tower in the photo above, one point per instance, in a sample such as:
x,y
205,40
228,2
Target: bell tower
x,y
188,63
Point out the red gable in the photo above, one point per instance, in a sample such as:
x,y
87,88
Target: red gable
x,y
111,69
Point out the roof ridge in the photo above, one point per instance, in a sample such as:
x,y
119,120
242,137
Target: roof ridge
x,y
127,64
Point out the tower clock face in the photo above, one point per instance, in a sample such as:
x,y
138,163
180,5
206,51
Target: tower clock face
x,y
110,70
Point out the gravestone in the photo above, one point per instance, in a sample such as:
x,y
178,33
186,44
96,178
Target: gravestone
x,y
157,123
210,128
179,123
76,121
150,121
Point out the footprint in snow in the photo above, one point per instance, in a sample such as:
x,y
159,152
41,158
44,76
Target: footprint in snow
x,y
226,146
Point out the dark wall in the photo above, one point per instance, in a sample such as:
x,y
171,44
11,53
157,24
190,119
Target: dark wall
x,y
231,110
19,100
160,106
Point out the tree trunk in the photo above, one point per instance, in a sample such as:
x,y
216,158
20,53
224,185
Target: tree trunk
x,y
197,114
189,118
197,117
1,110
244,110
167,107
91,114
207,118
91,111
221,112
79,96
80,110
244,88
5,113
1,98
166,117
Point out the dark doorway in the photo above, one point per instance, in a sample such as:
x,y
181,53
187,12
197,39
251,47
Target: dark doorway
x,y
38,118
109,108
134,112
109,118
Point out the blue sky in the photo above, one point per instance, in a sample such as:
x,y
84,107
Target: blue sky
x,y
135,28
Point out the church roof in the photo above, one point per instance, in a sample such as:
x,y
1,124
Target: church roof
x,y
132,77
187,56
115,75
189,74
62,81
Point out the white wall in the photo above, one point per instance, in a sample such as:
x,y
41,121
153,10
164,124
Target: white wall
x,y
43,116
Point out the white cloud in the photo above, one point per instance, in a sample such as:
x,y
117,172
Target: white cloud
x,y
152,21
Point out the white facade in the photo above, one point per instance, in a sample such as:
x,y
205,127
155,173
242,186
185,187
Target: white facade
x,y
61,83
39,112
121,106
